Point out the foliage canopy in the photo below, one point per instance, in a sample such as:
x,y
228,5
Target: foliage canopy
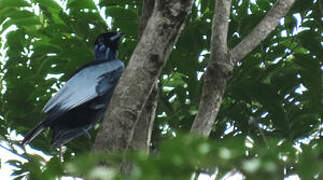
x,y
270,123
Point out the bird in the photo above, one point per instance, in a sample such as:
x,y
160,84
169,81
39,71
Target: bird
x,y
81,103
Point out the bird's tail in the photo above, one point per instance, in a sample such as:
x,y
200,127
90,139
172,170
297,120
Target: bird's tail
x,y
62,136
34,133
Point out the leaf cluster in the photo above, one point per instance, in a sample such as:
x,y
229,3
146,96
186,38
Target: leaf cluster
x,y
273,100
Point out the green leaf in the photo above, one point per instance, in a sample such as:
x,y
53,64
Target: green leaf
x,y
175,80
13,3
311,40
48,3
81,4
125,19
22,18
311,76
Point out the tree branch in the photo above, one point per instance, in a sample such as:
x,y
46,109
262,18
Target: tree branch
x,y
147,60
217,73
262,30
146,11
143,130
221,62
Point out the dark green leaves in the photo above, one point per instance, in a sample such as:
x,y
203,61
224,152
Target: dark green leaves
x,y
274,96
13,3
125,19
81,4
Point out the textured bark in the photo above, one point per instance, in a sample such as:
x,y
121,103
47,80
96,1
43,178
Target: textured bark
x,y
143,130
222,60
144,68
146,11
262,30
217,73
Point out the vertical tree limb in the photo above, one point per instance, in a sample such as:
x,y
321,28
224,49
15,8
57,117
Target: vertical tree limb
x,y
146,11
217,73
221,61
143,130
146,62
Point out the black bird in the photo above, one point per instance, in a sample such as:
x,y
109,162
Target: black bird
x,y
82,101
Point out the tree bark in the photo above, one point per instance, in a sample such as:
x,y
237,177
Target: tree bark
x,y
145,65
217,73
222,60
143,130
146,11
262,30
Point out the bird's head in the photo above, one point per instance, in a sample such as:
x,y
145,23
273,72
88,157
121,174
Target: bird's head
x,y
106,45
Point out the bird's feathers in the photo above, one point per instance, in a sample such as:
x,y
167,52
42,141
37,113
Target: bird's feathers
x,y
34,132
65,135
84,86
82,101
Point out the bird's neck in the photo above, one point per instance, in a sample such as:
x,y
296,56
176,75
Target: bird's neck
x,y
106,54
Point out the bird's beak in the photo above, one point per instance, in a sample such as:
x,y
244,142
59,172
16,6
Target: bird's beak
x,y
117,36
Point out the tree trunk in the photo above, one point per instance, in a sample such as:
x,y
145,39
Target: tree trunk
x,y
143,130
126,106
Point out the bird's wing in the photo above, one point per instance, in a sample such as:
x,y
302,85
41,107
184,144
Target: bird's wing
x,y
83,86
